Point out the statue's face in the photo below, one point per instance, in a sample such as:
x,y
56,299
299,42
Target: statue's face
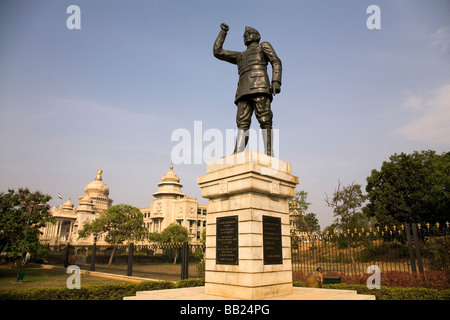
x,y
250,37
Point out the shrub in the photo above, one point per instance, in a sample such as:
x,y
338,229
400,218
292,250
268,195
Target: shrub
x,y
197,255
387,293
428,279
436,251
92,292
190,283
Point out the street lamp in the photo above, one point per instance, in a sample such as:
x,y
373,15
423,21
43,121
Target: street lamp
x,y
94,249
30,206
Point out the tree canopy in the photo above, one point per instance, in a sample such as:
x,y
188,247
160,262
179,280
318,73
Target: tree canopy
x,y
174,233
303,221
347,205
120,223
410,188
14,219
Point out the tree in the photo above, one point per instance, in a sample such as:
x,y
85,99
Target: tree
x,y
203,237
120,223
174,233
347,203
13,220
304,222
410,188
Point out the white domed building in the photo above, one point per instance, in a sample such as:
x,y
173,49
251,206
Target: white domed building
x,y
170,205
69,220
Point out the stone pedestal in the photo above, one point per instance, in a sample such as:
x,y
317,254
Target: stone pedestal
x,y
248,248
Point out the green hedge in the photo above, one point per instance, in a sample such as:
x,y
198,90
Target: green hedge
x,y
119,291
391,293
96,292
190,283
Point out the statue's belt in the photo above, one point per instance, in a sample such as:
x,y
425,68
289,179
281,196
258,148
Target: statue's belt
x,y
262,67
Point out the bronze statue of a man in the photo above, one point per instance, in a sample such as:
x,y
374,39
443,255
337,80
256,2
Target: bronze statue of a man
x,y
254,91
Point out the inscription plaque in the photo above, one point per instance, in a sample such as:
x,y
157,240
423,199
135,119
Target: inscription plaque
x,y
227,240
272,246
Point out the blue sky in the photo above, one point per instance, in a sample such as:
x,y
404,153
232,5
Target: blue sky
x,y
110,95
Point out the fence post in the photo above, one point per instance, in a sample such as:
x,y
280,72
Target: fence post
x,y
410,249
66,256
417,245
184,261
130,260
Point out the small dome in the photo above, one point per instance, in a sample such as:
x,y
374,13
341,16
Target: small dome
x,y
68,204
170,176
85,199
170,185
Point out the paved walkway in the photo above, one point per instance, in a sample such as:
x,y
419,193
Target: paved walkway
x,y
299,293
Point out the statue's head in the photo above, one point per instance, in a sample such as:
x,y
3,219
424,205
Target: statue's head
x,y
251,35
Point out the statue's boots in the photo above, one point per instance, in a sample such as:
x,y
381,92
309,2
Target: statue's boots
x,y
268,141
241,140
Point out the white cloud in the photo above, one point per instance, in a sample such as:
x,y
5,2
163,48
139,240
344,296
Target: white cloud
x,y
432,124
441,38
413,102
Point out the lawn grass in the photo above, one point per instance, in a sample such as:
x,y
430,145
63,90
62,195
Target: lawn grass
x,y
35,277
155,271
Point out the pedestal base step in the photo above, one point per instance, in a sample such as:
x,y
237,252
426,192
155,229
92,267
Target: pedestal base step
x,y
299,293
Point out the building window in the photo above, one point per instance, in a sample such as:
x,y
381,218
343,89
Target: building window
x,y
199,211
204,211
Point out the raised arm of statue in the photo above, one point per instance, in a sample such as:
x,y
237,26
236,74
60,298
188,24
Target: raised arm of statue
x,y
219,52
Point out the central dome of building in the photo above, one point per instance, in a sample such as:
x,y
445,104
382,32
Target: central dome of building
x,y
97,187
98,192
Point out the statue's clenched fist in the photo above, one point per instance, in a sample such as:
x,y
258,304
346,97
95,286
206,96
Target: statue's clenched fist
x,y
224,27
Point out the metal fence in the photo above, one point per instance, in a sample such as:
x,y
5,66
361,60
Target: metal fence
x,y
409,248
406,249
171,262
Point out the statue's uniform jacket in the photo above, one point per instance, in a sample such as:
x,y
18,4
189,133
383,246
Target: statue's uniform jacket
x,y
252,66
